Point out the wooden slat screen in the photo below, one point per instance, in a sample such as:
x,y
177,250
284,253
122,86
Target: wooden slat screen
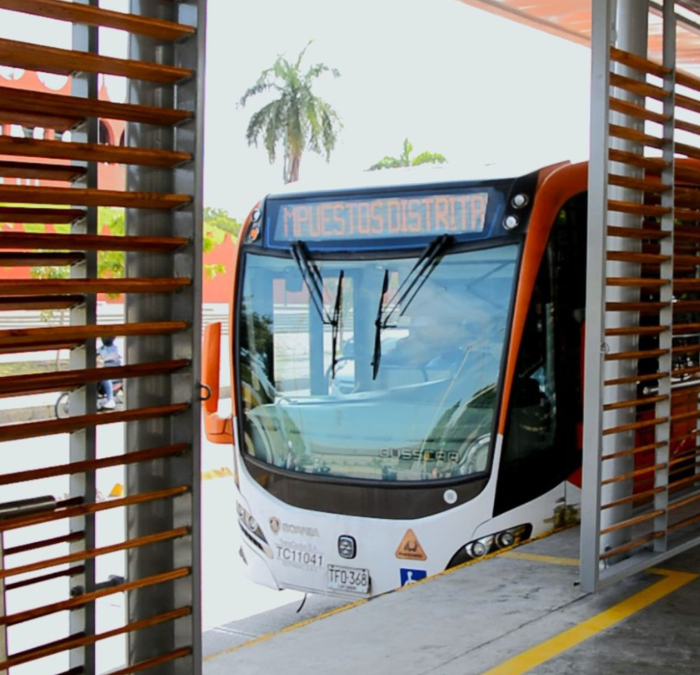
x,y
649,484
97,504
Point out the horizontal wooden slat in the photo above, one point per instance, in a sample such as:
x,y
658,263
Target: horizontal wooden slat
x,y
636,282
12,214
17,385
645,307
31,194
687,197
43,120
635,451
684,234
638,111
681,306
32,102
66,61
90,152
153,662
40,171
686,285
22,259
631,379
635,355
89,242
70,572
85,509
49,345
686,349
85,598
80,640
18,336
686,149
636,136
636,520
638,87
624,548
690,327
636,232
95,16
636,257
92,465
687,103
682,125
639,63
687,173
635,330
45,543
637,209
94,553
687,215
650,163
15,432
650,186
631,403
635,497
635,426
73,286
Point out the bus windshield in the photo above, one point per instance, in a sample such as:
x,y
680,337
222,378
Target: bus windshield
x,y
383,370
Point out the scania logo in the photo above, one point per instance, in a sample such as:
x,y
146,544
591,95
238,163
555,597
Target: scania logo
x,y
276,525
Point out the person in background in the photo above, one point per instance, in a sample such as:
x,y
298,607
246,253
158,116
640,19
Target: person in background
x,y
108,356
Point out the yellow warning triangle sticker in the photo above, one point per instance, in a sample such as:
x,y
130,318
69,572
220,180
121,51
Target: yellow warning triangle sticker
x,y
410,548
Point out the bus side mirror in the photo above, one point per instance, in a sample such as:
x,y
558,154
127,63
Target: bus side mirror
x,y
217,429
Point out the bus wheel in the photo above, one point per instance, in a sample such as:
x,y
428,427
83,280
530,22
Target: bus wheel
x,y
61,407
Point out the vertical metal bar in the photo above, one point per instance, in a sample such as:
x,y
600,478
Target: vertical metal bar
x,y
83,443
602,21
664,408
182,387
189,222
3,612
631,27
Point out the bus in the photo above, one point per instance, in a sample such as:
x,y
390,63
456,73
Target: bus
x,y
406,373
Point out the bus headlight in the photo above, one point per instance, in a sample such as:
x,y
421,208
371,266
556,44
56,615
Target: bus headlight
x,y
252,530
491,543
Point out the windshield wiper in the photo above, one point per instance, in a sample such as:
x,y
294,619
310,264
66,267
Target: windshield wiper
x,y
335,321
378,327
314,282
312,278
407,291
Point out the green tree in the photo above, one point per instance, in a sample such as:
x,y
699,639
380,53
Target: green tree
x,y
297,119
217,223
406,160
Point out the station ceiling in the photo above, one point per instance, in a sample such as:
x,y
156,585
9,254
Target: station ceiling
x,y
571,19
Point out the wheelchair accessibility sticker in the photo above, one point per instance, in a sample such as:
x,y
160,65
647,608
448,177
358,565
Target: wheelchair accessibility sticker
x,y
409,576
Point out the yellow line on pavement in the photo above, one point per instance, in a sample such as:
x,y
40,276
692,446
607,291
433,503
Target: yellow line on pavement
x,y
536,557
294,626
533,657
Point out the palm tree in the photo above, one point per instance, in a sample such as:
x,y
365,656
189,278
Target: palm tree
x,y
297,119
406,160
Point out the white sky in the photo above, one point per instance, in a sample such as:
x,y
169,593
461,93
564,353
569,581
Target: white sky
x,y
453,79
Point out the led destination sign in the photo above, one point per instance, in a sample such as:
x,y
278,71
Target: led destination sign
x,y
381,217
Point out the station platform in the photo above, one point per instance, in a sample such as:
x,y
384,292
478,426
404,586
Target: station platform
x,y
518,612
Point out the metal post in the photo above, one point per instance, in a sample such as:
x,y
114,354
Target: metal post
x,y
663,408
631,28
184,386
602,22
83,443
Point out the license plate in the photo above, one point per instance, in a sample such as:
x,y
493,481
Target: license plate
x,y
353,579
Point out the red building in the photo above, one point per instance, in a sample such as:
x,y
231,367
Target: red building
x,y
110,176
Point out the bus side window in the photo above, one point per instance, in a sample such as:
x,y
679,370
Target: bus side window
x,y
540,446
